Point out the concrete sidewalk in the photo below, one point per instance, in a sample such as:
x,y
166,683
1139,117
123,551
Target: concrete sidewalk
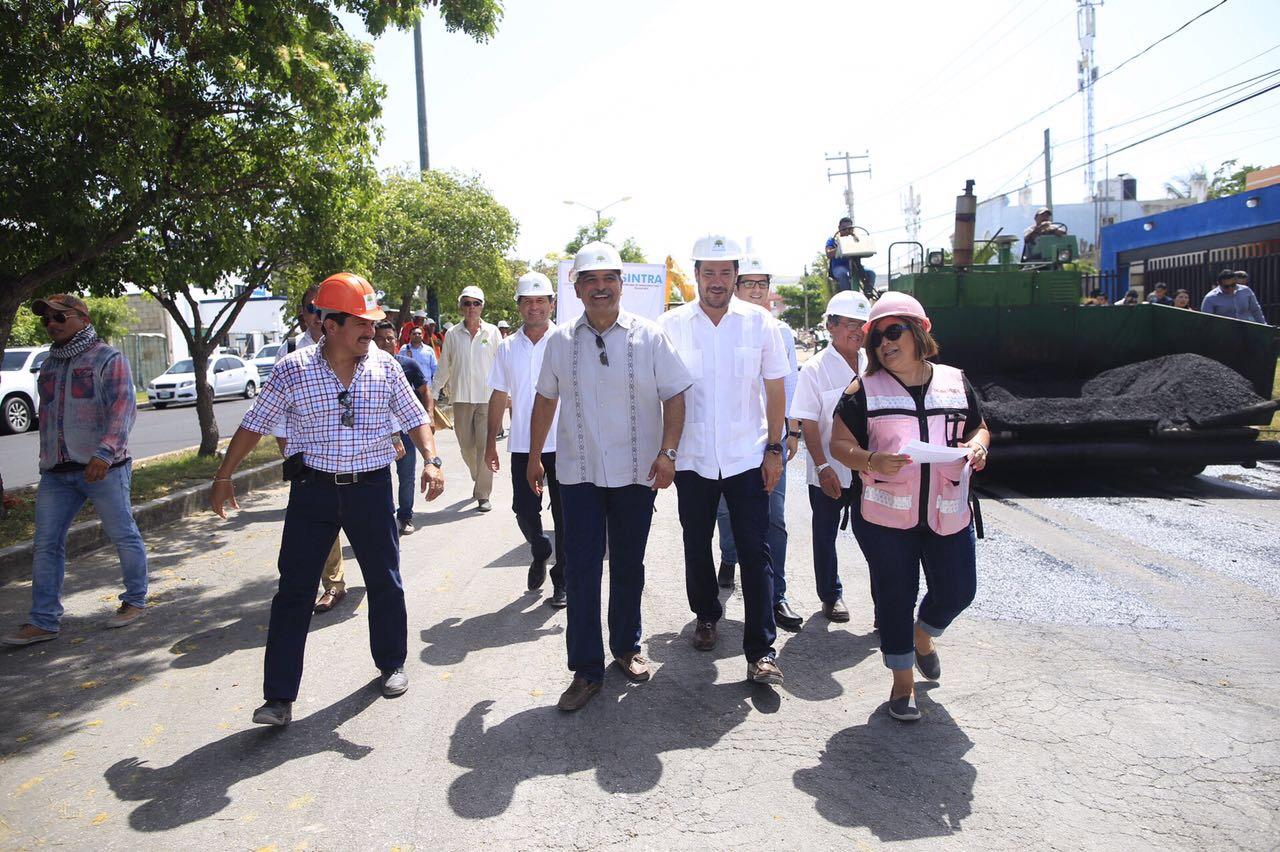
x,y
1104,691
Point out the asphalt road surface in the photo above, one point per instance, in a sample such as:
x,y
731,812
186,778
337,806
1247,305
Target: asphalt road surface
x,y
155,432
1116,685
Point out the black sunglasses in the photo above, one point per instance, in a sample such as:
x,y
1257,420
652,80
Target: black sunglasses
x,y
893,332
56,316
604,356
348,409
468,303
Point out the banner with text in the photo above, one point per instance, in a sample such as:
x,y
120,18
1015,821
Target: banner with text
x,y
644,288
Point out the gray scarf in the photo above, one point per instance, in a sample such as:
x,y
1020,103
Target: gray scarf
x,y
83,339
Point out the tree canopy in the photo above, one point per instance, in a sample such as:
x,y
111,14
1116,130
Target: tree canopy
x,y
599,232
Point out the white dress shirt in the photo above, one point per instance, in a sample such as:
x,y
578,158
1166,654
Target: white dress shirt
x,y
823,379
515,372
725,425
611,430
465,360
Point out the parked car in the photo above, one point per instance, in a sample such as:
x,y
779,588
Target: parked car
x,y
265,359
19,399
229,374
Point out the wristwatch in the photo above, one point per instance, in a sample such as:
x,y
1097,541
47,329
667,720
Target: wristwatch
x,y
824,466
435,460
773,448
793,434
669,453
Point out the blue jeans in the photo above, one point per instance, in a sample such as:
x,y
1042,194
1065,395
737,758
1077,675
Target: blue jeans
x,y
621,516
59,498
697,498
777,537
895,558
407,470
316,511
843,278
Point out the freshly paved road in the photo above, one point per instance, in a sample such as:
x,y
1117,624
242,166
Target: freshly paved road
x,y
1115,685
155,432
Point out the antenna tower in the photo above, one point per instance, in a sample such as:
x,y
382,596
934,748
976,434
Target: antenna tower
x,y
1087,75
911,210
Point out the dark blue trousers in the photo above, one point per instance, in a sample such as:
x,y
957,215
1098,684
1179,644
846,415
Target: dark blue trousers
x,y
316,511
594,515
407,473
528,510
748,504
896,558
825,526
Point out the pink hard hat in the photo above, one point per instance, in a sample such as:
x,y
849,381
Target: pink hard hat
x,y
894,304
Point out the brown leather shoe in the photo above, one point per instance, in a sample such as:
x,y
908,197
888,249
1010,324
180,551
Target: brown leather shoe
x,y
28,634
330,599
704,635
578,694
764,670
635,667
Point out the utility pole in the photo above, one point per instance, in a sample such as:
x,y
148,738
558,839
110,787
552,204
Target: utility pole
x,y
1087,75
804,288
424,162
1048,171
911,209
848,174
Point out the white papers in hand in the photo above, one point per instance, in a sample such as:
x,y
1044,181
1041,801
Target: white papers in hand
x,y
922,453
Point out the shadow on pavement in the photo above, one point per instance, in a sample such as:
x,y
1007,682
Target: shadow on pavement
x,y
197,785
902,781
451,640
811,658
620,734
250,631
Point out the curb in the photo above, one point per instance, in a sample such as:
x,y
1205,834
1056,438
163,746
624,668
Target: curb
x,y
15,561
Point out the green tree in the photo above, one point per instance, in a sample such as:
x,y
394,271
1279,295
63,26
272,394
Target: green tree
x,y
630,250
1228,179
441,230
812,290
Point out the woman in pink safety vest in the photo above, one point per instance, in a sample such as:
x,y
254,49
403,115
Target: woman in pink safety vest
x,y
911,515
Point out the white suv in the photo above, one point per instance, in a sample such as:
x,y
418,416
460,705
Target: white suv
x,y
19,397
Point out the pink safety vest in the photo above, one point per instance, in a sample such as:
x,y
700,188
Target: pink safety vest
x,y
893,418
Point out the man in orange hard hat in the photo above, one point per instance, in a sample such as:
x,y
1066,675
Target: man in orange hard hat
x,y
338,399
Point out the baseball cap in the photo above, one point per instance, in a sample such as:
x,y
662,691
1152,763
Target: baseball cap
x,y
59,302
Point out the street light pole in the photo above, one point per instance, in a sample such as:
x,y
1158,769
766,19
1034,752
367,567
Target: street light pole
x,y
599,211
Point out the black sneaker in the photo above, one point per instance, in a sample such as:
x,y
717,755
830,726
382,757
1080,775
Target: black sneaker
x,y
725,577
537,574
274,712
559,598
904,709
929,665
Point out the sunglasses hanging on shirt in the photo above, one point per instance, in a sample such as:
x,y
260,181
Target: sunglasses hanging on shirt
x,y
348,404
604,356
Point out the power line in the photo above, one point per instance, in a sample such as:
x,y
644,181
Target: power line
x,y
1049,108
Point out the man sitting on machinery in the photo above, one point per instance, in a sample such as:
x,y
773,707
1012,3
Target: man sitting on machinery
x,y
844,269
1044,226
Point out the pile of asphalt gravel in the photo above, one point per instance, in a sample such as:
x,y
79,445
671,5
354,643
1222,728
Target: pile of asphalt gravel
x,y
1168,391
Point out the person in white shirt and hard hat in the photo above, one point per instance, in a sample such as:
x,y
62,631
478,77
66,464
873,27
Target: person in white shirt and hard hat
x,y
623,387
339,399
823,379
732,446
514,377
465,361
753,286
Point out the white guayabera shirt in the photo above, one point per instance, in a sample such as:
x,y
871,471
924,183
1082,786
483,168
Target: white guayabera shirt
x,y
515,372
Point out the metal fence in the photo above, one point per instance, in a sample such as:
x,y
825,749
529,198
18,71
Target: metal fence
x,y
1196,273
148,356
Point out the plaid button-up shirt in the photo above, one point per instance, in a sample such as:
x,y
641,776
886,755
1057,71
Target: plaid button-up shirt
x,y
303,392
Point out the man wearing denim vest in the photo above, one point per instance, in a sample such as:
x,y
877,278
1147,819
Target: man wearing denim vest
x,y
87,407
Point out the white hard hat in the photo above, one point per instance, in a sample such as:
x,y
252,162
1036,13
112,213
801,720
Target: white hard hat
x,y
848,303
503,324
534,284
595,256
471,292
717,247
752,265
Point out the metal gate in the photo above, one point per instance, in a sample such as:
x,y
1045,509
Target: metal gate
x,y
148,356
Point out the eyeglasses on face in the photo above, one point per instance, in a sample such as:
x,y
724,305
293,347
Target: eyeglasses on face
x,y
57,316
754,285
604,356
893,332
471,303
348,404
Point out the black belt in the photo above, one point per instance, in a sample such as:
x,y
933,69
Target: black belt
x,y
346,478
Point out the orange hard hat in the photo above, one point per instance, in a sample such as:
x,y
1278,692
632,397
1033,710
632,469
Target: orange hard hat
x,y
350,294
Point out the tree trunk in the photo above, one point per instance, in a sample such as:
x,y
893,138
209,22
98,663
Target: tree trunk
x,y
406,303
433,305
204,400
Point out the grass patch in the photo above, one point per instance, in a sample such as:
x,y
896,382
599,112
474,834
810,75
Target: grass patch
x,y
152,478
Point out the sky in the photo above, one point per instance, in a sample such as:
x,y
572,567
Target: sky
x,y
716,117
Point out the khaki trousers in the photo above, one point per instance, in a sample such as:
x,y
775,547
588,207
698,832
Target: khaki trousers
x,y
471,423
332,578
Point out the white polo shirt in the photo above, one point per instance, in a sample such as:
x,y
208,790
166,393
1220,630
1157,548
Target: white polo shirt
x,y
515,371
725,425
823,379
